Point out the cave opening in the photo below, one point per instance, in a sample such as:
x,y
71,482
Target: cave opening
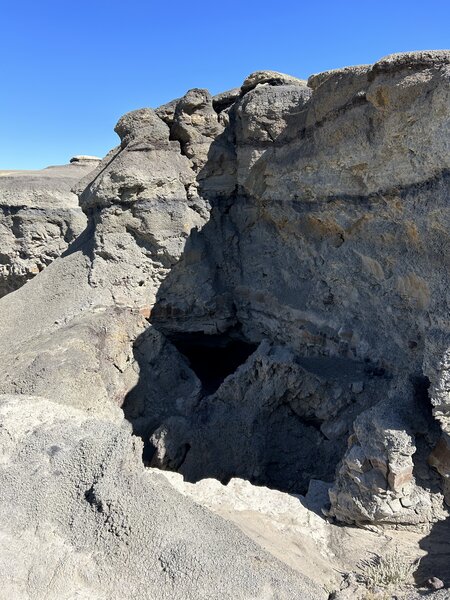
x,y
213,357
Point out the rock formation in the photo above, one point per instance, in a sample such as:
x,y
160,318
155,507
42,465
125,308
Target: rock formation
x,y
327,241
39,217
261,288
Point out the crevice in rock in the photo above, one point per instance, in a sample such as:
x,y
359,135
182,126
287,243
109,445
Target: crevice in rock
x,y
181,368
373,199
425,439
92,499
212,357
436,560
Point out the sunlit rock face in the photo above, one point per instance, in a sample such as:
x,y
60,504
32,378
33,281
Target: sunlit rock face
x,y
68,335
39,218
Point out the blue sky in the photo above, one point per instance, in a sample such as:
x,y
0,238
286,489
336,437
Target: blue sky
x,y
70,69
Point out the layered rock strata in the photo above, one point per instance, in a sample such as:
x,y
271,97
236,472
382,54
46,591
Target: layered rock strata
x,y
39,218
327,237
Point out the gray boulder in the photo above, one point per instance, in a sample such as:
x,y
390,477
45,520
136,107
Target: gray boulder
x,y
270,78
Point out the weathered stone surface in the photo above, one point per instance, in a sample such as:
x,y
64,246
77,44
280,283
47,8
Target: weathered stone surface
x,y
226,99
412,61
328,235
376,480
39,217
283,420
440,457
196,126
289,245
80,517
166,112
269,77
142,124
434,583
78,321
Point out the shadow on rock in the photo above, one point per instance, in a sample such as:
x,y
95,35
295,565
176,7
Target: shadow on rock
x,y
436,562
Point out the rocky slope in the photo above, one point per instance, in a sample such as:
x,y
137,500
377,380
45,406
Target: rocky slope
x,y
91,523
39,217
261,288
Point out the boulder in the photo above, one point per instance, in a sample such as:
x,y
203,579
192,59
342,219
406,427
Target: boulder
x,y
269,77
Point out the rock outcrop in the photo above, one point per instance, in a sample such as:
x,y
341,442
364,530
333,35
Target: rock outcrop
x,y
327,236
39,218
86,309
261,288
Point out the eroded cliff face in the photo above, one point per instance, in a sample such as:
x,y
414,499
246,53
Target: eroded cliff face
x,y
85,310
262,289
39,218
75,345
290,240
327,244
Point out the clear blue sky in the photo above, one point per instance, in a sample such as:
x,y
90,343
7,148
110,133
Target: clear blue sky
x,y
70,69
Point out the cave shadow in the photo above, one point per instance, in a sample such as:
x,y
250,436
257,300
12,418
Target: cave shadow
x,y
84,242
198,345
436,562
436,544
212,358
212,355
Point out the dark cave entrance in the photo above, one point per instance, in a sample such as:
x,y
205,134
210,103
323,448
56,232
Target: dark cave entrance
x,y
213,357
